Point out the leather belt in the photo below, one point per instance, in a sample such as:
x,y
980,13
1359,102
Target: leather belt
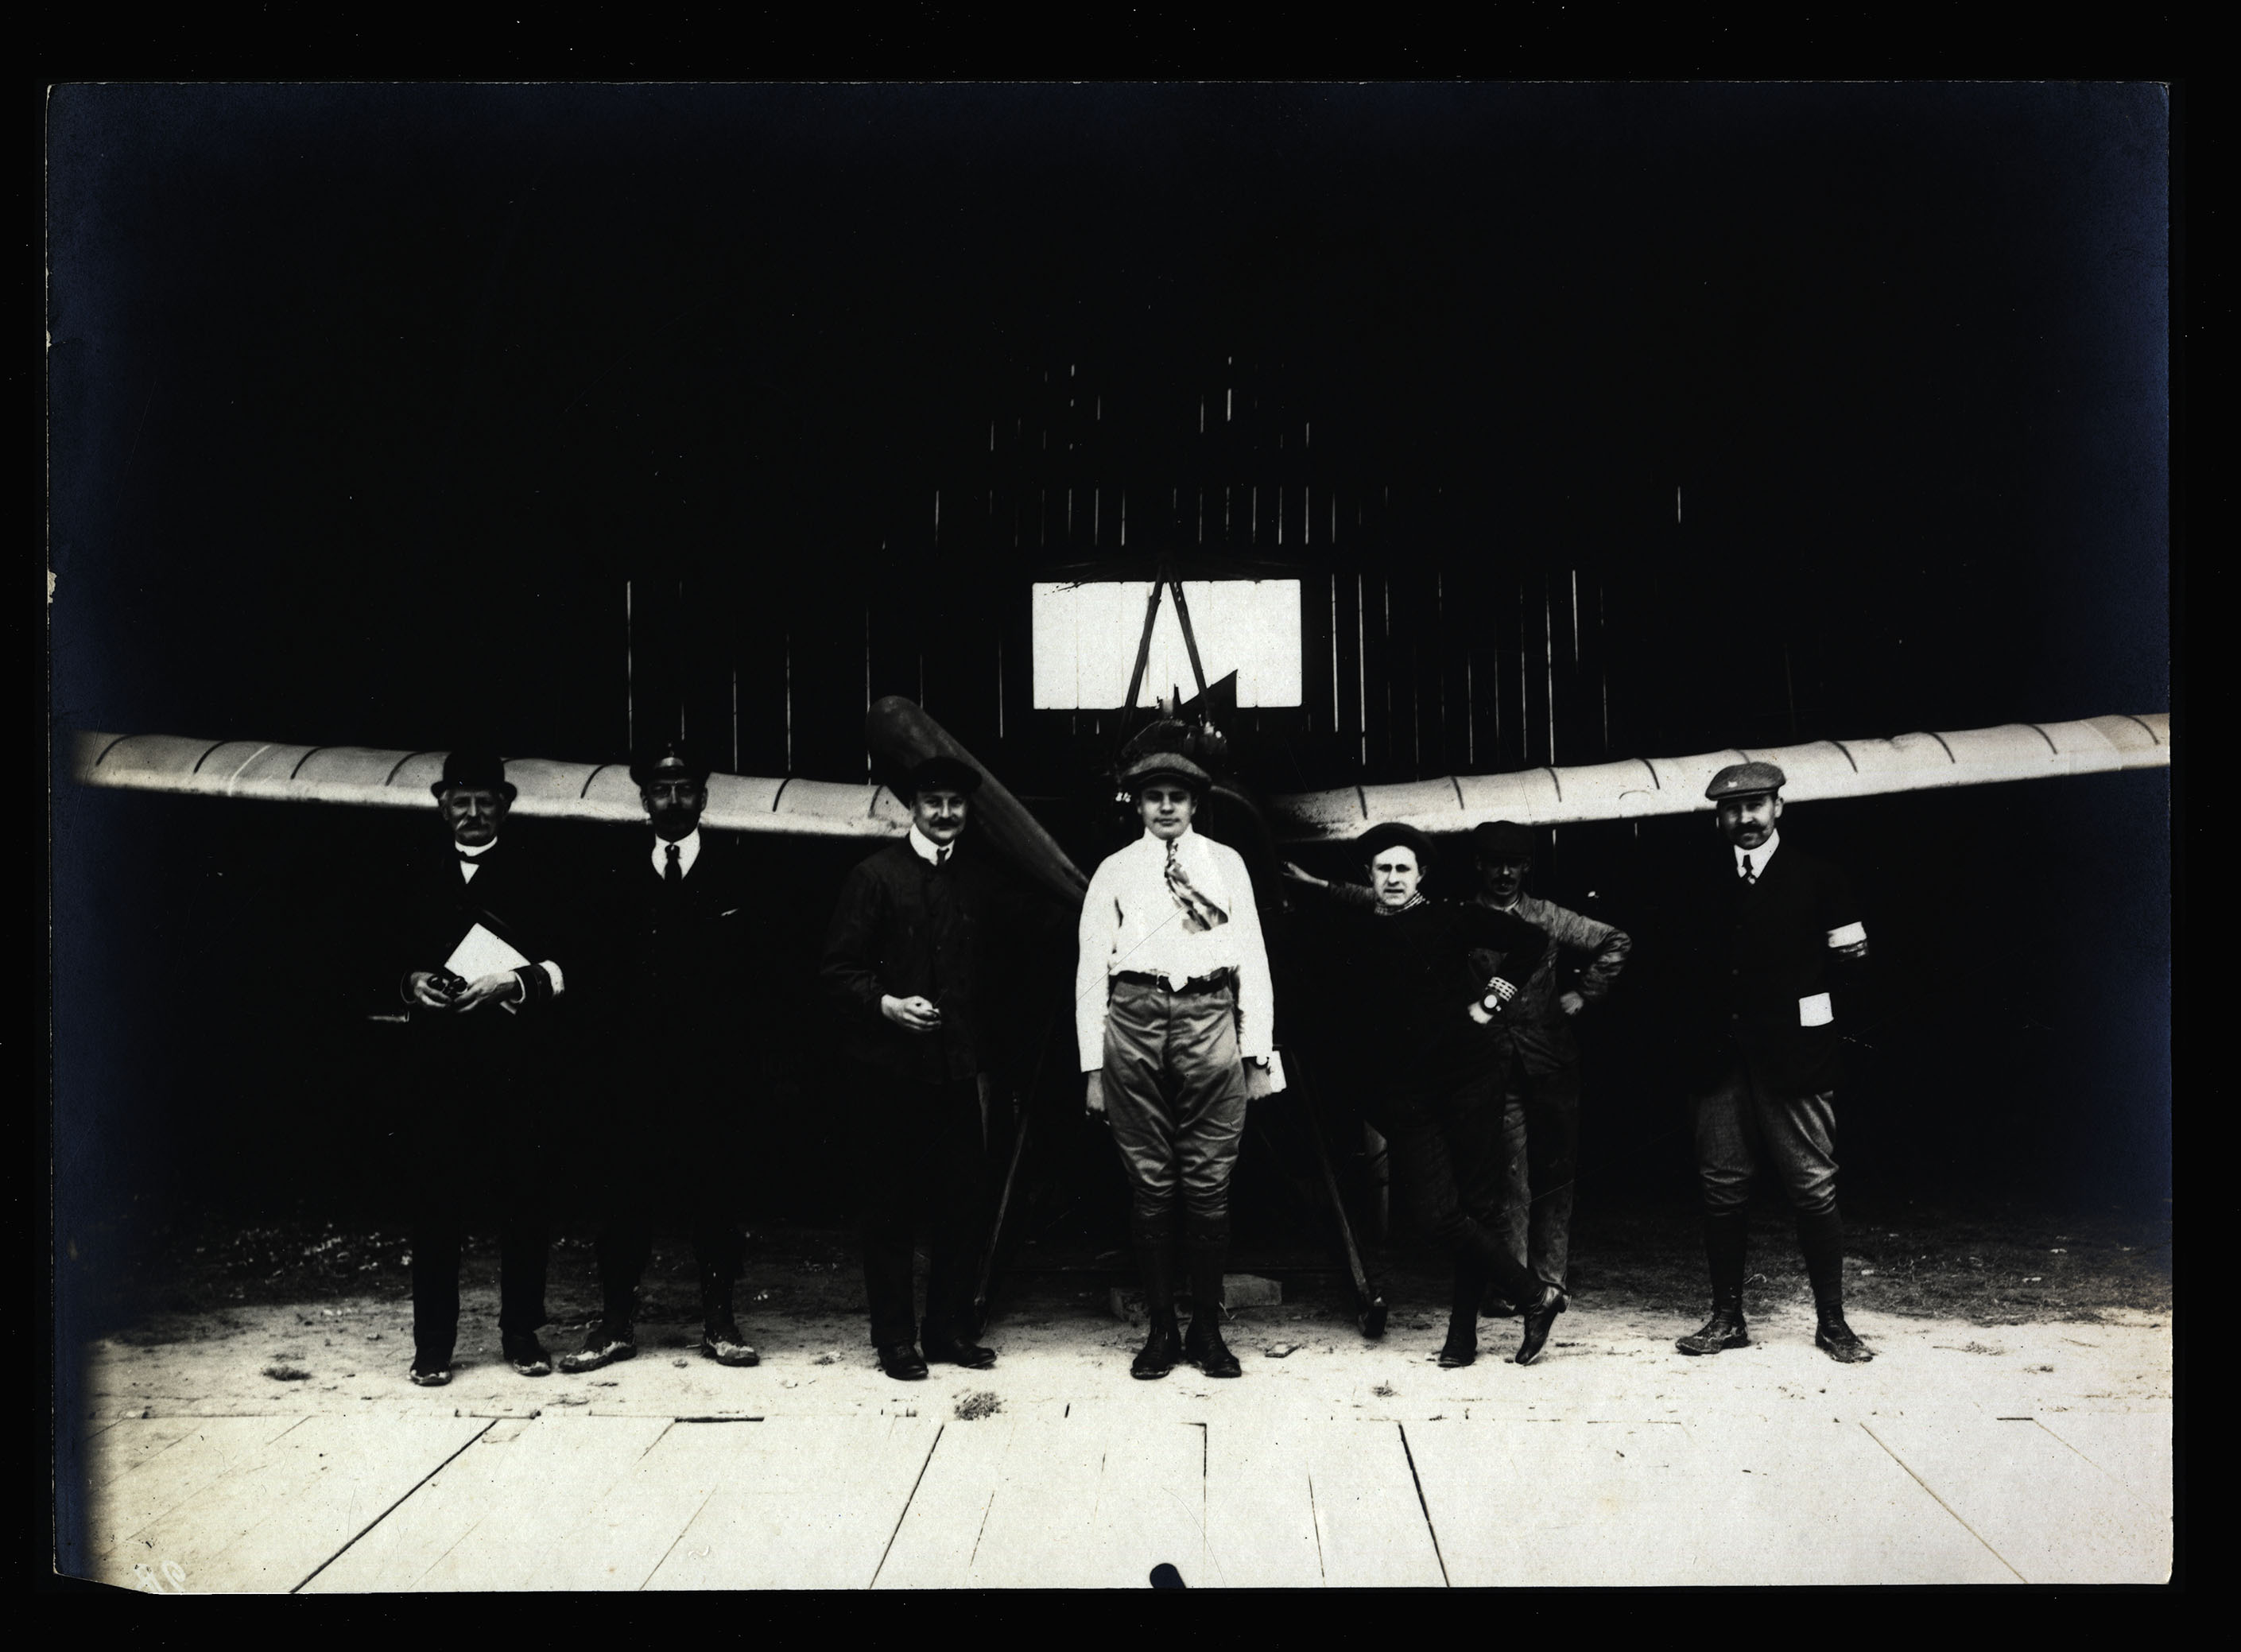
x,y
1213,983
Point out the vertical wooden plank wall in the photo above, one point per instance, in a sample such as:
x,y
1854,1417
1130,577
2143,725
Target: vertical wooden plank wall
x,y
1436,638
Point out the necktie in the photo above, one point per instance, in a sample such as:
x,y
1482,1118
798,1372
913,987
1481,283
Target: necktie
x,y
673,873
941,853
1199,913
1750,876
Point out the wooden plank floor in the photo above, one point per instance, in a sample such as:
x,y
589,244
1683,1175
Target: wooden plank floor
x,y
2134,1449
260,1504
1096,1494
2044,1508
799,1504
1092,1500
1570,1503
490,1518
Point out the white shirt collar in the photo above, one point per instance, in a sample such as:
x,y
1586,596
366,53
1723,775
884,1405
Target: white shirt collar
x,y
1161,843
927,849
688,850
1759,856
479,851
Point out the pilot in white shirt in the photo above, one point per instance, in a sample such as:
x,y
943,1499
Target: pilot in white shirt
x,y
1171,998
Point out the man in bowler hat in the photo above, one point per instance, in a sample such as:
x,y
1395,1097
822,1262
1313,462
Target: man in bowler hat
x,y
1775,934
478,931
672,980
906,968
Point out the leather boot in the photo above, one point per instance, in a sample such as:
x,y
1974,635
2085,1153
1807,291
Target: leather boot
x,y
1726,1235
1540,1320
1821,1236
1155,1269
719,1336
950,1346
1461,1346
1202,1346
613,1338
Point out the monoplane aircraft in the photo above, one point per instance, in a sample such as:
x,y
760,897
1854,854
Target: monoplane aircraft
x,y
900,734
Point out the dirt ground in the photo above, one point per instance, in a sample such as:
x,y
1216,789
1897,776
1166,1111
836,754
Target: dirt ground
x,y
1988,1268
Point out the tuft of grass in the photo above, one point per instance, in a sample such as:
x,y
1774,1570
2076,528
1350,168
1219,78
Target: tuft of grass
x,y
972,1407
279,1371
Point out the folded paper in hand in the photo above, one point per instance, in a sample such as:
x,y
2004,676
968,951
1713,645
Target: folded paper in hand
x,y
1260,1081
481,954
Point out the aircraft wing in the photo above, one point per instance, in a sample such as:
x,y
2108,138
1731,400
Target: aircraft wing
x,y
1643,786
400,779
1554,796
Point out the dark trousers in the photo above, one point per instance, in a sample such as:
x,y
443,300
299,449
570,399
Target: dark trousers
x,y
440,1225
921,1159
474,1150
1447,1156
673,1154
634,1198
1541,1157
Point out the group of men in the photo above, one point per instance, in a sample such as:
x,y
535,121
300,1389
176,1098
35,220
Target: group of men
x,y
1174,1024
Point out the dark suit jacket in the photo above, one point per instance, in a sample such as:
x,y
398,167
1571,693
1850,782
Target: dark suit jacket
x,y
672,966
478,1095
902,929
516,894
1755,951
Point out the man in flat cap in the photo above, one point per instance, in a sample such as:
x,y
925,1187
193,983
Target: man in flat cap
x,y
1541,1094
672,984
479,928
906,965
1779,930
1171,998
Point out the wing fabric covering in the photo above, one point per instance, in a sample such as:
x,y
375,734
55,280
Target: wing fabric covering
x,y
1629,790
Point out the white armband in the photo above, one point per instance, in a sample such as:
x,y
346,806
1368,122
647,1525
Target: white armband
x,y
1850,935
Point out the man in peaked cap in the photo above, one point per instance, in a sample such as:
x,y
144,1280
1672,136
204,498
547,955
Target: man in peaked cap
x,y
1778,931
1541,1094
906,966
1171,998
674,983
480,929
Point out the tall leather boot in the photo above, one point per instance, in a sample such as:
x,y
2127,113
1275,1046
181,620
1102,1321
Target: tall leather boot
x,y
1209,1251
1727,1233
1461,1346
1154,1238
1821,1236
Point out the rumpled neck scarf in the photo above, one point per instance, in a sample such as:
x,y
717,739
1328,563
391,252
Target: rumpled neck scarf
x,y
1200,913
